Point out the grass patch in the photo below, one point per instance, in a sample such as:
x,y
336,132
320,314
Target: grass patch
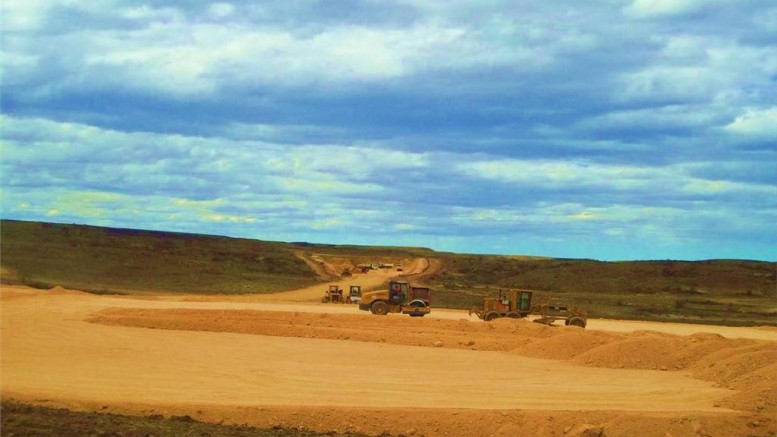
x,y
729,292
105,260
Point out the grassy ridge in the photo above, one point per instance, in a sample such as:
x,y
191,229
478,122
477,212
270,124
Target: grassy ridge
x,y
24,420
115,260
715,291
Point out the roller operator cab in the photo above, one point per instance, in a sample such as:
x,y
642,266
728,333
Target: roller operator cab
x,y
400,297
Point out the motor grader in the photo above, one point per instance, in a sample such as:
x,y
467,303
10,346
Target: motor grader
x,y
399,297
518,304
334,295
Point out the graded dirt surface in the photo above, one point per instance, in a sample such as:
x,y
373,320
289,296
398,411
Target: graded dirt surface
x,y
284,360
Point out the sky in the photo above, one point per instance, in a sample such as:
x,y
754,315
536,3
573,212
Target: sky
x,y
603,129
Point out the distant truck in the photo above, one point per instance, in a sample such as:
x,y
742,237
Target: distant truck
x,y
400,297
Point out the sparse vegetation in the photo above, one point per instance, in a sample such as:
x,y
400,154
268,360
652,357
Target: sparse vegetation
x,y
22,420
106,260
733,292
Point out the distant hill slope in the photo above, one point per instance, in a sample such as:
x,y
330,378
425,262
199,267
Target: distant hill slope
x,y
712,291
108,260
734,277
125,260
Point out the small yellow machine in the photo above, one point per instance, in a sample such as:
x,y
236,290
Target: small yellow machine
x,y
400,297
334,295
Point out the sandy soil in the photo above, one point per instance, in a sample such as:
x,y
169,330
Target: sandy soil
x,y
284,360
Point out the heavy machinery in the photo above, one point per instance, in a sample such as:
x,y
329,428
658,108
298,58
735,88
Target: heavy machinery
x,y
400,297
354,294
518,304
334,294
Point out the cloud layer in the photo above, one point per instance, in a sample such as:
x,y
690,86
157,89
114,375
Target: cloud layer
x,y
610,130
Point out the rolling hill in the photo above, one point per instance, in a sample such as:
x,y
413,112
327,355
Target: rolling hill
x,y
128,261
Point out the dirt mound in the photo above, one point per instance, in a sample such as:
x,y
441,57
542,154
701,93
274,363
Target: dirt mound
x,y
747,366
726,365
646,351
58,289
523,327
567,344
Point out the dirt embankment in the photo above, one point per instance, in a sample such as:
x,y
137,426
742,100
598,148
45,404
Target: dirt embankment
x,y
333,368
747,366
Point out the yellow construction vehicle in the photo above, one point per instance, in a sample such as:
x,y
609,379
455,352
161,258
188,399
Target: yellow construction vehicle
x,y
354,294
334,294
400,297
518,304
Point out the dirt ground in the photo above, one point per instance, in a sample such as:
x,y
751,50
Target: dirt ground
x,y
287,360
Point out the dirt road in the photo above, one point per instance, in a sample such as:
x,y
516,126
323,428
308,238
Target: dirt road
x,y
273,363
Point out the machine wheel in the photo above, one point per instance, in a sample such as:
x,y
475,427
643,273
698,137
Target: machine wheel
x,y
417,314
380,308
577,321
324,300
513,315
491,316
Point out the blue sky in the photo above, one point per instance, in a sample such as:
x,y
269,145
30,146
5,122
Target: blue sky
x,y
605,129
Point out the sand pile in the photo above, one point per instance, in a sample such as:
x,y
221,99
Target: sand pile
x,y
751,370
748,366
58,289
639,350
567,344
522,327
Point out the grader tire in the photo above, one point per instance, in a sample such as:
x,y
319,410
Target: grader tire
x,y
577,321
513,315
492,315
379,308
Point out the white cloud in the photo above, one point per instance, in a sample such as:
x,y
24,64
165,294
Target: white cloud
x,y
221,10
177,54
23,15
761,122
86,156
694,69
656,119
145,13
672,181
652,8
559,174
688,83
186,58
585,118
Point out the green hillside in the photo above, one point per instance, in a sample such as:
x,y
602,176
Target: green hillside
x,y
713,291
125,260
